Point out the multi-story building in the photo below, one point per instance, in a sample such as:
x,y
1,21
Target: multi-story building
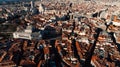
x,y
27,34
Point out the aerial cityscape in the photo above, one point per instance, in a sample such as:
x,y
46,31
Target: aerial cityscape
x,y
59,33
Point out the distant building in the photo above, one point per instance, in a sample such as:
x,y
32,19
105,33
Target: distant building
x,y
27,34
116,20
22,35
32,4
8,64
104,14
33,9
41,8
117,37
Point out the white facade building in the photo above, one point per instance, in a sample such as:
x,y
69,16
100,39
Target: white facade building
x,y
32,4
104,14
27,34
116,23
22,35
117,37
41,8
